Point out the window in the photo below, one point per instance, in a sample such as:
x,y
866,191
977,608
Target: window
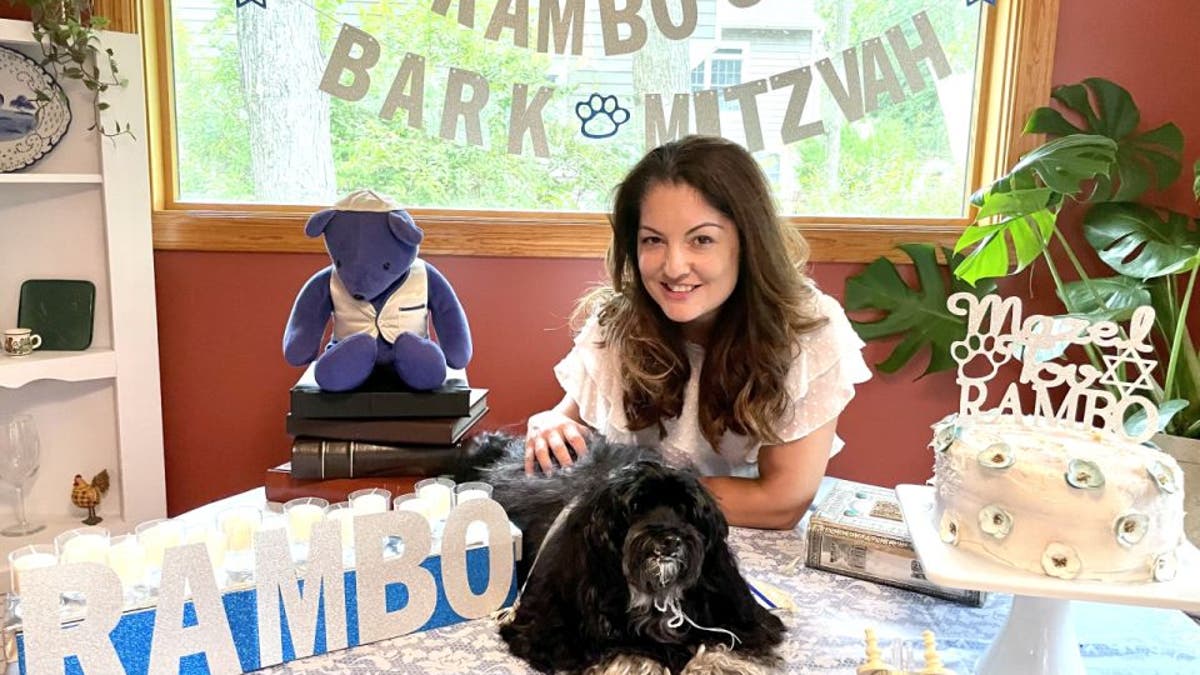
x,y
249,142
723,69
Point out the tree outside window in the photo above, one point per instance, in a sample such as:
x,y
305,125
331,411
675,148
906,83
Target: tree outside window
x,y
252,126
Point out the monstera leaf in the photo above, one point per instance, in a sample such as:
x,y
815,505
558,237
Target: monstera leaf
x,y
1029,233
1064,163
1108,299
918,314
1141,159
1135,423
1017,213
1137,242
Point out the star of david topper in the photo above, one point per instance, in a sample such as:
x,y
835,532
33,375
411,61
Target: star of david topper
x,y
263,3
997,334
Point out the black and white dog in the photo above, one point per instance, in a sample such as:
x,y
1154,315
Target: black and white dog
x,y
636,577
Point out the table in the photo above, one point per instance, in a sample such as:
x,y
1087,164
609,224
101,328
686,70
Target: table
x,y
824,635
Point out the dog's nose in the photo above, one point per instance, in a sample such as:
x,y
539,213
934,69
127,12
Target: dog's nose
x,y
669,544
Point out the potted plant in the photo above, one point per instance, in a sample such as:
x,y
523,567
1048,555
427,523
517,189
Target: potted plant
x,y
68,33
1095,160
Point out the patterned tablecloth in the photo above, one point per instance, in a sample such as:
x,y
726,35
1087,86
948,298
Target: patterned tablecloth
x,y
825,634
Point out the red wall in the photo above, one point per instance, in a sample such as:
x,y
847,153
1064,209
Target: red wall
x,y
221,315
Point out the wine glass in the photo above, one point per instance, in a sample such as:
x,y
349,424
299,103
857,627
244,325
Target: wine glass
x,y
19,456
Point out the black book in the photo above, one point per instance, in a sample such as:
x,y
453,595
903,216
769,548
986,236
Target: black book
x,y
325,459
380,396
401,430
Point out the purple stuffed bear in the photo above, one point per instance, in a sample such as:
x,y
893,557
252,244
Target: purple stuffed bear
x,y
380,297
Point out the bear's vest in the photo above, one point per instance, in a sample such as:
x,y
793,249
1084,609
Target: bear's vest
x,y
405,310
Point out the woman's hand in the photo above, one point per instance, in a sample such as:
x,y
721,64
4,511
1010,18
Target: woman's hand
x,y
552,436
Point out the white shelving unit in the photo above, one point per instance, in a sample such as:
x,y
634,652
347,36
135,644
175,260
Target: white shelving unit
x,y
49,179
83,212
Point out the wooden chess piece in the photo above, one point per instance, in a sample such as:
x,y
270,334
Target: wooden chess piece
x,y
933,662
873,665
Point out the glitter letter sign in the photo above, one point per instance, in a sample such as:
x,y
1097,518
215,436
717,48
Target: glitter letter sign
x,y
195,628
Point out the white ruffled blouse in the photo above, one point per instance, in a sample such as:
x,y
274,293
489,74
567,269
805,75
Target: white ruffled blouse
x,y
821,381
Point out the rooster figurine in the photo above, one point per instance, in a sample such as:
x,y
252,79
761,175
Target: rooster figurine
x,y
87,495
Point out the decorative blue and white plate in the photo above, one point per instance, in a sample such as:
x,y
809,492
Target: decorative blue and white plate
x,y
28,128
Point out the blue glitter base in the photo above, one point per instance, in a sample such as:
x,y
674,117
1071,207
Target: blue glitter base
x,y
132,635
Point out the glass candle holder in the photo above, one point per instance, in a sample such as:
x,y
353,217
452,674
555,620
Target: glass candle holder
x,y
33,556
302,513
415,503
214,542
127,557
238,524
370,500
344,515
156,536
465,492
83,544
439,493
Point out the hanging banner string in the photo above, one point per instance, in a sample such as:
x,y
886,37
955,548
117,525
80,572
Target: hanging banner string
x,y
867,71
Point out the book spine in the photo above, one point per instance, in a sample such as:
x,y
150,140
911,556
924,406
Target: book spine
x,y
370,404
877,559
415,431
322,459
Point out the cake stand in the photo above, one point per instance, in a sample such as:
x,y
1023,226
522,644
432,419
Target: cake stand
x,y
1039,636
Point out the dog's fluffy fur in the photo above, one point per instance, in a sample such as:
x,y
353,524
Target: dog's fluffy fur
x,y
640,537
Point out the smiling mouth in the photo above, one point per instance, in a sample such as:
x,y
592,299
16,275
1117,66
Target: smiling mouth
x,y
680,288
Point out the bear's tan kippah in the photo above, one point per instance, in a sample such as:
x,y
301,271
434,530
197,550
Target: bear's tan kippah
x,y
366,200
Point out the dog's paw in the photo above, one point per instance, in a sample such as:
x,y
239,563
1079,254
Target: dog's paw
x,y
600,116
628,664
721,661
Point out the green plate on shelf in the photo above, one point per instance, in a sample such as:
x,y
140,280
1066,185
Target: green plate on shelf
x,y
59,310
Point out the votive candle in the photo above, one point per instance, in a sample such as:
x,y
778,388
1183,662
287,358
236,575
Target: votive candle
x,y
344,515
238,525
370,500
414,503
213,540
27,558
127,557
158,535
439,493
302,514
466,492
83,544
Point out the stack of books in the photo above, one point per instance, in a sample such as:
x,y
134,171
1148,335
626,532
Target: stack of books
x,y
379,435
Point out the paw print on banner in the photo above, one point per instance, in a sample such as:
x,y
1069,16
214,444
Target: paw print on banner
x,y
980,356
600,116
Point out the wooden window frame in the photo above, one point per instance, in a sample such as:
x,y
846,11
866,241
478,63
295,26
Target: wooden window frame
x,y
1013,78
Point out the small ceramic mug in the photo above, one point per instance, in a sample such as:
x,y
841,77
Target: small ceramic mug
x,y
20,341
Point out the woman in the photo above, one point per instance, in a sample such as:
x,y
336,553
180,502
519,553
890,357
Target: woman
x,y
710,342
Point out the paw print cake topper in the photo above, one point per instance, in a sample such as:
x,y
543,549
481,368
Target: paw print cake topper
x,y
997,334
600,116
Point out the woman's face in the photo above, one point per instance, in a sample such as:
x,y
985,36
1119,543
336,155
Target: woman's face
x,y
687,256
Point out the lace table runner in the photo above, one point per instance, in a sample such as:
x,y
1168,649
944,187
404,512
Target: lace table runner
x,y
825,633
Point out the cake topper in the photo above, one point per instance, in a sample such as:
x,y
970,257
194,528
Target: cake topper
x,y
997,334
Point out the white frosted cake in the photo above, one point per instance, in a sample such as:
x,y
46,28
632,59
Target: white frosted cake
x,y
1066,502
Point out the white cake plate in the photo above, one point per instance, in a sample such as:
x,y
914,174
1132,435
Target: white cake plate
x,y
1039,636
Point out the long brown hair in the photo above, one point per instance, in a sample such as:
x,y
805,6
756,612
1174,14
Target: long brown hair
x,y
753,341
